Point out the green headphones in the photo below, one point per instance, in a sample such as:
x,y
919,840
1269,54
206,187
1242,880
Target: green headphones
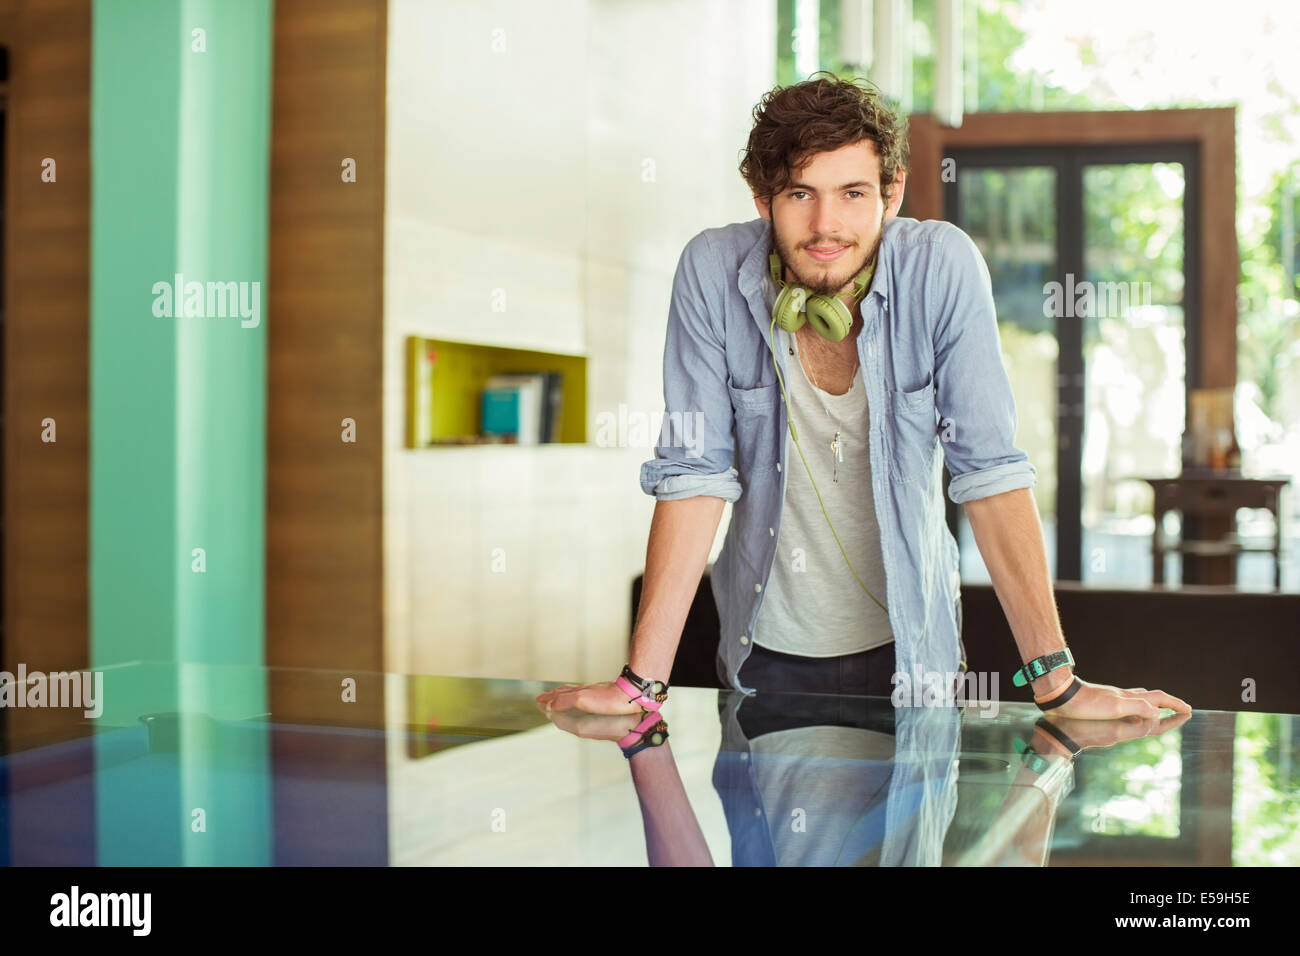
x,y
828,314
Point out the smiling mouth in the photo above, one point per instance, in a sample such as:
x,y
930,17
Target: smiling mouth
x,y
825,253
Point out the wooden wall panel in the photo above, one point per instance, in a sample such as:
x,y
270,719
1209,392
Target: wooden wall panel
x,y
46,352
325,338
46,337
324,506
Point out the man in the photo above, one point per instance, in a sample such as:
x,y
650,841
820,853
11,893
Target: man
x,y
919,369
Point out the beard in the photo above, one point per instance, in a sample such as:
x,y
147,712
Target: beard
x,y
829,278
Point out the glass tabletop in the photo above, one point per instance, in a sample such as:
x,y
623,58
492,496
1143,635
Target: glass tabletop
x,y
210,765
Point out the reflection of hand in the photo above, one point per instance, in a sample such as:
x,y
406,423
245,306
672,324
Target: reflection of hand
x,y
593,726
1104,702
1088,732
603,698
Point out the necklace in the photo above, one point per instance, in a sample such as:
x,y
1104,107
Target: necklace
x,y
837,445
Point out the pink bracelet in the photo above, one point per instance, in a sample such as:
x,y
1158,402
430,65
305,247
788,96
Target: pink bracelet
x,y
639,730
636,696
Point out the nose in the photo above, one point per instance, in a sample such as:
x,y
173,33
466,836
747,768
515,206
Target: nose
x,y
826,222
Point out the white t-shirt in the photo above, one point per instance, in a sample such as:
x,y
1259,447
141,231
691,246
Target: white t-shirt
x,y
813,605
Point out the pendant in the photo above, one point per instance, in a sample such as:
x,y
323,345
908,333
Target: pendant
x,y
837,455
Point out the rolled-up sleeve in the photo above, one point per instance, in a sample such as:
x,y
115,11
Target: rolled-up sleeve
x,y
695,454
976,407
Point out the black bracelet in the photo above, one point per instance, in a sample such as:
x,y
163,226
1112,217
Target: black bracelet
x,y
654,689
1062,698
656,736
1061,736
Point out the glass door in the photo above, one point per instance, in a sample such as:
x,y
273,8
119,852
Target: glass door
x,y
1088,250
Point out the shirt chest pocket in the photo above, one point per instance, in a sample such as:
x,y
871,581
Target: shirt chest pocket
x,y
915,433
755,421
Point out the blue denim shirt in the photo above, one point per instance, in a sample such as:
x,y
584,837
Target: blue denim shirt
x,y
932,364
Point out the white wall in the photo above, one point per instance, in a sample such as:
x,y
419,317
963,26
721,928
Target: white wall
x,y
565,168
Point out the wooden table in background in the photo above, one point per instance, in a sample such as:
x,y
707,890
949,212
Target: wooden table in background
x,y
1209,544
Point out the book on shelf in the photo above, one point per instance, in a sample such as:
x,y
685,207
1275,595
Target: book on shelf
x,y
523,404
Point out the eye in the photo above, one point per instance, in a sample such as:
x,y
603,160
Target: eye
x,y
854,192
798,192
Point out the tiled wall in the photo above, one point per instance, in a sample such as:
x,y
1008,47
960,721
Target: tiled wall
x,y
553,158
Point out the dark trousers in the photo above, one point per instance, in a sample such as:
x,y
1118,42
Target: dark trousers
x,y
867,673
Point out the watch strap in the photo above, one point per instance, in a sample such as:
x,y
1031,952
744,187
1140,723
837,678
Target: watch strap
x,y
1030,757
1042,665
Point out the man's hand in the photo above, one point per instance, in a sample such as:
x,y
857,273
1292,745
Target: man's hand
x,y
1104,702
1100,733
593,726
603,698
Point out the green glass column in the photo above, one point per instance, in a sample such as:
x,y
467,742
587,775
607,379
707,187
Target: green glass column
x,y
181,106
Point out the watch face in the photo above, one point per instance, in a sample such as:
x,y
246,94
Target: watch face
x,y
1034,761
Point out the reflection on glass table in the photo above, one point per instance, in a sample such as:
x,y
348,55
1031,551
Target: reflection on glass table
x,y
204,765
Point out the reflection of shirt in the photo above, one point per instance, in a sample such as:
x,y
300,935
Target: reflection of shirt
x,y
929,352
809,570
773,751
824,791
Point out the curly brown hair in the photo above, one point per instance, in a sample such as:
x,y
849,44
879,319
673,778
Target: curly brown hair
x,y
793,123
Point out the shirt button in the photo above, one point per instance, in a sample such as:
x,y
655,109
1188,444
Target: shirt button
x,y
778,466
758,588
871,350
744,639
744,756
758,812
772,532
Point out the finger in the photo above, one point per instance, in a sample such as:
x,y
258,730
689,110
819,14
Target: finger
x,y
1159,698
1134,707
565,700
1171,723
550,694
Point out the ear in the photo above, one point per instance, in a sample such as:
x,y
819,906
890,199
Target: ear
x,y
895,201
764,207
